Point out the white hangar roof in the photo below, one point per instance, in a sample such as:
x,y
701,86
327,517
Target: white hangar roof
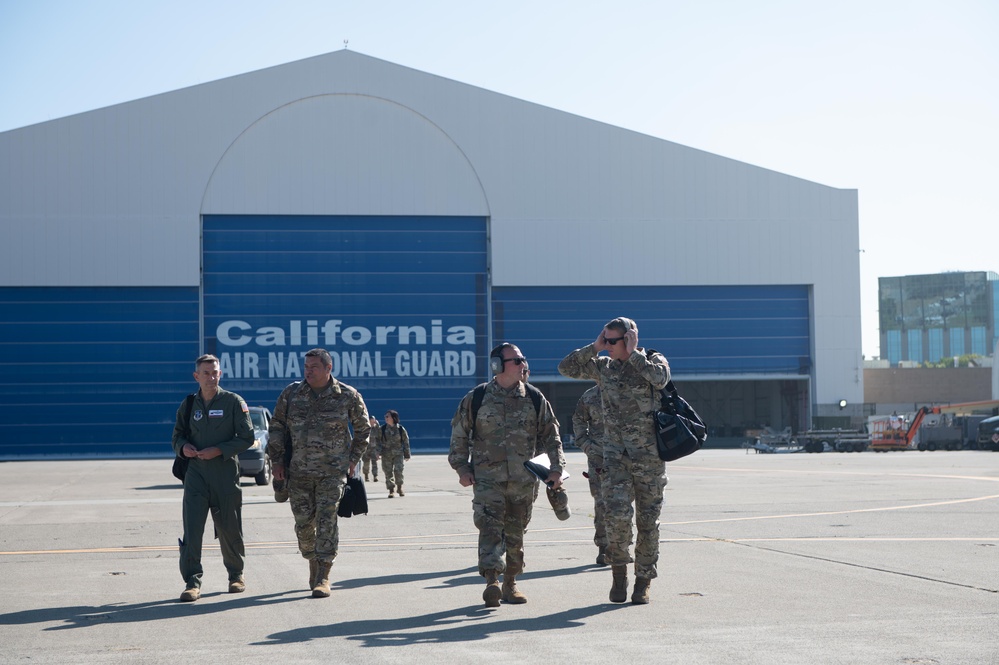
x,y
114,197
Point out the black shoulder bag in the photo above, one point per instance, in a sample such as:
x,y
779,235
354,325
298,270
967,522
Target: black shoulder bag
x,y
180,462
355,498
679,430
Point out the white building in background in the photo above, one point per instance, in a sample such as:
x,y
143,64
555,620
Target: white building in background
x,y
406,223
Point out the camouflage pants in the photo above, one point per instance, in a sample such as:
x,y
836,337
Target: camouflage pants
x,y
370,464
392,466
314,502
593,469
501,511
624,481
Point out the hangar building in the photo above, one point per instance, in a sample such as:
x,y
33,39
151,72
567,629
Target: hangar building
x,y
406,223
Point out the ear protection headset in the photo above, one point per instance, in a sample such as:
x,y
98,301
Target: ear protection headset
x,y
627,323
496,358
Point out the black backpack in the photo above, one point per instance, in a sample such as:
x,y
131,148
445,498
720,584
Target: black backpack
x,y
401,430
480,392
180,462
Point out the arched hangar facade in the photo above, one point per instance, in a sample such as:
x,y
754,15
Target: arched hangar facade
x,y
406,223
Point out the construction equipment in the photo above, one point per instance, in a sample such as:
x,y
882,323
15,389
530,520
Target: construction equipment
x,y
954,431
988,434
839,440
894,434
812,441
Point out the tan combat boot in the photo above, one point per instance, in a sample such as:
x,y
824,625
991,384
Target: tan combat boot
x,y
321,585
401,493
511,594
237,585
191,594
640,596
493,593
619,589
313,570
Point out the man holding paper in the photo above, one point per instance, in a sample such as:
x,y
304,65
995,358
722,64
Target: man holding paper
x,y
490,441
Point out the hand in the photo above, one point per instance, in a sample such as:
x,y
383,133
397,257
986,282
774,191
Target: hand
x,y
189,450
600,345
277,470
631,340
406,458
466,479
554,480
209,453
350,471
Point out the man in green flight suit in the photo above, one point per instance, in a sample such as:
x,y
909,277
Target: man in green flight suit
x,y
218,428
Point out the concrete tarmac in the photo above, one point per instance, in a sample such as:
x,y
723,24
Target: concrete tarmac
x,y
797,558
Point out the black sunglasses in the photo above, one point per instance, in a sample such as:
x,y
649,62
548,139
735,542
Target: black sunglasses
x,y
613,340
519,361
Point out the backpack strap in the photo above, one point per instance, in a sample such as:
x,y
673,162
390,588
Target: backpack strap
x,y
535,396
401,430
480,392
477,395
188,405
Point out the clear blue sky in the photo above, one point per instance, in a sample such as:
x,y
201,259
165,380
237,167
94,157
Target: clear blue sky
x,y
898,99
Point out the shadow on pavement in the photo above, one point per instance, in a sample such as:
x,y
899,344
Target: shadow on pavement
x,y
464,624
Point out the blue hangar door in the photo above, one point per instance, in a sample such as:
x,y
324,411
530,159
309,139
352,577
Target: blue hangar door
x,y
399,302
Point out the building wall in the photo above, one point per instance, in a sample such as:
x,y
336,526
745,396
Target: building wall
x,y
927,386
94,371
117,198
399,302
926,318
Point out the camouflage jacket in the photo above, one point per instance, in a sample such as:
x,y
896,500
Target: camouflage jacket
x,y
588,423
629,394
375,441
316,427
395,441
507,432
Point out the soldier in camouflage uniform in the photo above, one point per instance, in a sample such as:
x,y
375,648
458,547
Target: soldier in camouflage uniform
x,y
588,427
315,417
632,471
374,449
395,449
489,454
218,429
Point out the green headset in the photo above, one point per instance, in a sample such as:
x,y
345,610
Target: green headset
x,y
496,358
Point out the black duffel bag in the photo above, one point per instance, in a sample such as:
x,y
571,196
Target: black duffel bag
x,y
679,430
355,498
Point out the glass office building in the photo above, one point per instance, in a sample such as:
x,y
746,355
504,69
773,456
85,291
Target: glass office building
x,y
926,318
